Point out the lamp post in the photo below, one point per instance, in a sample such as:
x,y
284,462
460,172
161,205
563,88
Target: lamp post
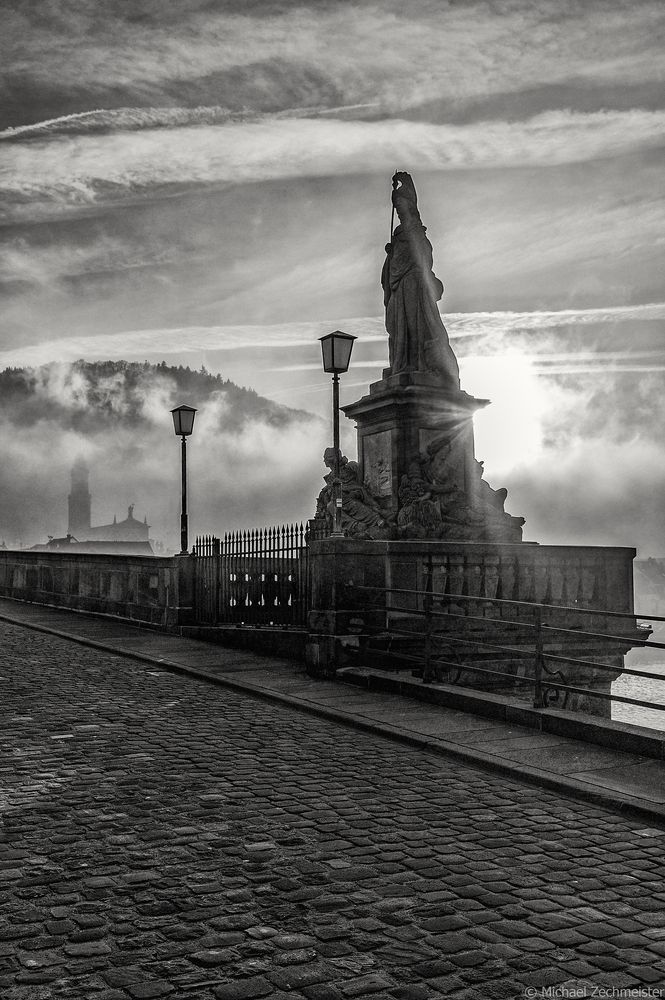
x,y
336,349
183,423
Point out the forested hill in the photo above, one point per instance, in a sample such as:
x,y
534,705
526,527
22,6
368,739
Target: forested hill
x,y
89,395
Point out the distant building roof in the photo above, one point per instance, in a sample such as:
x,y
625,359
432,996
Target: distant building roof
x,y
128,530
138,547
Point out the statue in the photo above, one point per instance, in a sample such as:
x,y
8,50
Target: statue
x,y
418,340
361,515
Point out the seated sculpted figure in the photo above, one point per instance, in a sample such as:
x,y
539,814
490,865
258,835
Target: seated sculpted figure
x,y
361,515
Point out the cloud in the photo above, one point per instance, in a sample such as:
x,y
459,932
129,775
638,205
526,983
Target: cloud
x,y
137,119
52,178
492,323
581,455
358,51
494,327
595,492
312,248
121,119
48,264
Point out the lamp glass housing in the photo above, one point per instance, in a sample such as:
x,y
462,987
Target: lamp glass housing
x,y
183,419
336,349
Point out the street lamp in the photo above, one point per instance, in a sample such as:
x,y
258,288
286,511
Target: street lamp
x,y
183,422
336,349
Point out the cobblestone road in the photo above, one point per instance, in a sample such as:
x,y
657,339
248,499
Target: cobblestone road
x,y
164,837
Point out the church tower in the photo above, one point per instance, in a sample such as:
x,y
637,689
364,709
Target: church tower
x,y
79,502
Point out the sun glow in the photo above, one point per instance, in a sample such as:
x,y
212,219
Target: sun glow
x,y
509,432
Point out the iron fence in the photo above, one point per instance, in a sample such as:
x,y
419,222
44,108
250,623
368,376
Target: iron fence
x,y
258,577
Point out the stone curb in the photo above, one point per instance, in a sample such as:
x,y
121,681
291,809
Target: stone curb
x,y
625,804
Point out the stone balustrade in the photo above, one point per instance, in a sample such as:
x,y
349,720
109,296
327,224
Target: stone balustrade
x,y
373,585
591,577
576,577
145,588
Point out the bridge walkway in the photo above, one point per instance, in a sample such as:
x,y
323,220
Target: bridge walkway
x,y
631,782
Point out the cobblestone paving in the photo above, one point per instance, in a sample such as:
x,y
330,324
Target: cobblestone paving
x,y
163,837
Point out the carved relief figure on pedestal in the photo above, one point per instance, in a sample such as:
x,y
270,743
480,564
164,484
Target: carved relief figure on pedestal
x,y
419,516
433,506
460,521
418,340
362,516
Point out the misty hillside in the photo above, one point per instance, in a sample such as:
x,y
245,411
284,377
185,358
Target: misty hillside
x,y
88,395
251,461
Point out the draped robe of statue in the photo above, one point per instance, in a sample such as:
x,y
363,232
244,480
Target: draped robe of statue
x,y
418,340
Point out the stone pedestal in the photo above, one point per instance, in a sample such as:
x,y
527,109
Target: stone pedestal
x,y
417,463
411,418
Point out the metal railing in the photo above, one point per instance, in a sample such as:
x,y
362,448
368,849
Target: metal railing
x,y
544,650
257,577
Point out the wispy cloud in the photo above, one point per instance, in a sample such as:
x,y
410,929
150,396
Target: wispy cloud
x,y
183,340
494,327
54,177
356,51
137,119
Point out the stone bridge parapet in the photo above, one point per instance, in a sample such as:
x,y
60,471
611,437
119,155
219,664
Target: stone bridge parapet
x,y
151,589
482,597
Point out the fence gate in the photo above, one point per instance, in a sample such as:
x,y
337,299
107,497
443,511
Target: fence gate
x,y
257,577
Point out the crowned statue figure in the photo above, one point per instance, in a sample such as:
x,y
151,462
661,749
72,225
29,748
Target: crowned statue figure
x,y
418,340
417,477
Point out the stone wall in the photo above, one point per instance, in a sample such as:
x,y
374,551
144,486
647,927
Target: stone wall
x,y
346,611
583,577
144,588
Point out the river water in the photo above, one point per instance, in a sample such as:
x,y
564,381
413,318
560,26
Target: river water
x,y
643,688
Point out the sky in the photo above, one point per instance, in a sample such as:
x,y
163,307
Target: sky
x,y
208,183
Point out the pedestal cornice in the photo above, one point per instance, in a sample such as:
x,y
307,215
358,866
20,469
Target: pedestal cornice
x,y
418,391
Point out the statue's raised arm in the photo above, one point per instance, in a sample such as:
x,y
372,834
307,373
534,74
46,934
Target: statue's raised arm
x,y
418,340
405,198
